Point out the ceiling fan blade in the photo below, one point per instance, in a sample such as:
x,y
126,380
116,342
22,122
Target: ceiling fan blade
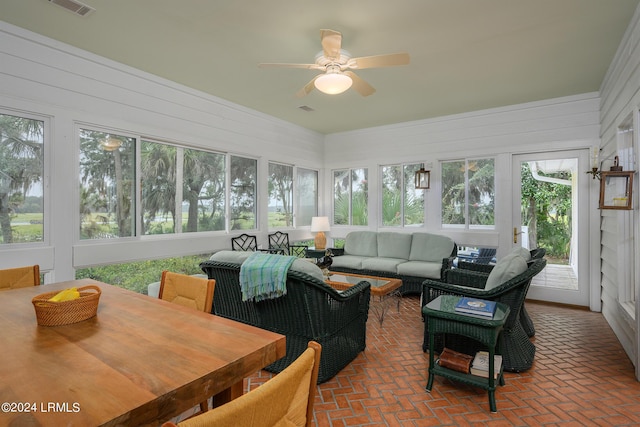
x,y
378,61
360,86
331,43
307,88
276,65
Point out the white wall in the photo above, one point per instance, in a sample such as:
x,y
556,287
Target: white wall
x,y
620,97
550,125
68,87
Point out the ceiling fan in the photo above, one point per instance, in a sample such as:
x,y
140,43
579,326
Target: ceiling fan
x,y
337,63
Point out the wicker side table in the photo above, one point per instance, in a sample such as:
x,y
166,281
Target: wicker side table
x,y
442,318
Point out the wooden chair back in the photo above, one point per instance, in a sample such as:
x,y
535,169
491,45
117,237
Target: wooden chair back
x,y
20,277
286,399
189,291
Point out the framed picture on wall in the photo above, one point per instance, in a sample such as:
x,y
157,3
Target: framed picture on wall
x,y
616,190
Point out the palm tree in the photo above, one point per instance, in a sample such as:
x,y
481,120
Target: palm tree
x,y
21,165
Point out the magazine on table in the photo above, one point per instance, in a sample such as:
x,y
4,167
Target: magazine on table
x,y
476,306
480,364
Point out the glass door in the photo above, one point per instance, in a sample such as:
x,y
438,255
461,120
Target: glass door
x,y
550,210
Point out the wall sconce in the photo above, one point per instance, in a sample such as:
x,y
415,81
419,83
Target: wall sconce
x,y
320,224
595,164
423,179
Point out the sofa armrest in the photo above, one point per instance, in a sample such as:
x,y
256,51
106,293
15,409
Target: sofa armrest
x,y
469,278
447,263
474,266
337,251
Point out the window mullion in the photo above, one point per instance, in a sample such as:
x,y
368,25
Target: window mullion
x,y
179,187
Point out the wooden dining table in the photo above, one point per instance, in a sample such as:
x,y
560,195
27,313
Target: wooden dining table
x,y
139,361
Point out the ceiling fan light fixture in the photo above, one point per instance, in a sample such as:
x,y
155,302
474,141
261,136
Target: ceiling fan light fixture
x,y
333,83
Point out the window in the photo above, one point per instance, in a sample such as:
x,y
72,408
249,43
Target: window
x,y
280,195
307,195
468,195
182,190
21,180
402,204
350,197
242,193
107,185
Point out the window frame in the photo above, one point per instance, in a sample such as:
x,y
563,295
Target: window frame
x,y
350,172
466,211
404,183
45,178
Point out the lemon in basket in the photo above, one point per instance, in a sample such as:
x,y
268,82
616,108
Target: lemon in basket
x,y
66,295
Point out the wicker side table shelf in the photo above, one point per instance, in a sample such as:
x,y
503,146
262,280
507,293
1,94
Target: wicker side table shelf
x,y
442,318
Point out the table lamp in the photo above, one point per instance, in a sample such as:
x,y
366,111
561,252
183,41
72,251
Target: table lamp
x,y
320,224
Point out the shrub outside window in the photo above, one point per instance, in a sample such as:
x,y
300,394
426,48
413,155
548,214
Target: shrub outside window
x,y
350,196
402,203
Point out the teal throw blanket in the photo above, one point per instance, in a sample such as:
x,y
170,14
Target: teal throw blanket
x,y
264,276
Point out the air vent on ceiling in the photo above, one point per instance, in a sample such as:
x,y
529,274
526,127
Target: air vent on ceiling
x,y
306,108
74,6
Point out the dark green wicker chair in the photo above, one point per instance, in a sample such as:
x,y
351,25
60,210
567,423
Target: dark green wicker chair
x,y
517,349
527,323
310,311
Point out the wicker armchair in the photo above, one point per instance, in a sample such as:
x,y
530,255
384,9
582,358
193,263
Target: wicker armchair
x,y
311,310
527,323
517,349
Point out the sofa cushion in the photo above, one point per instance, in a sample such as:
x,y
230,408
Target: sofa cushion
x,y
361,243
430,247
232,257
389,265
506,269
348,261
238,257
428,270
394,245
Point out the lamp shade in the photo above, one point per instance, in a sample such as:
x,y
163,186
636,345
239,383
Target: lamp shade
x,y
333,83
320,223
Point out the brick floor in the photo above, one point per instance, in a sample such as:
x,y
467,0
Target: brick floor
x,y
581,377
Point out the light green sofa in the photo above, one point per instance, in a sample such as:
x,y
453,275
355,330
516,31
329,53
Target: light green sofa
x,y
412,257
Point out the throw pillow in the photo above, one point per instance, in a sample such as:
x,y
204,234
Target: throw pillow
x,y
523,252
506,269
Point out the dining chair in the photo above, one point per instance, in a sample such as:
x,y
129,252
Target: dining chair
x,y
188,291
286,399
280,240
246,242
20,277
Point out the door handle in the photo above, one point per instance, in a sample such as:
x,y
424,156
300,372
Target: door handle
x,y
515,234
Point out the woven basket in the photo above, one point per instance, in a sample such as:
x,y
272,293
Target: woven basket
x,y
66,312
